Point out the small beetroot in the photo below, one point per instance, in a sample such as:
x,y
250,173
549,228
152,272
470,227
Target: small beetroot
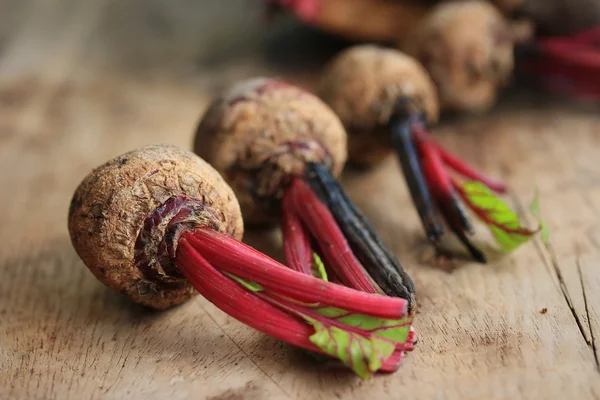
x,y
363,84
470,50
110,210
467,48
159,222
386,101
280,148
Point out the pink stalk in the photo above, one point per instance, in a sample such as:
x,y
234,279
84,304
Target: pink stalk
x,y
232,256
573,53
389,365
296,242
297,246
298,310
269,316
467,171
331,240
440,182
571,63
569,79
241,304
588,36
393,362
442,190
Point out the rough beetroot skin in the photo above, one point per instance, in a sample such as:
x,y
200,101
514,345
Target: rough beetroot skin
x,y
262,131
467,48
363,85
121,214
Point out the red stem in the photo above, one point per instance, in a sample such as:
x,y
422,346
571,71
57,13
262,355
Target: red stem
x,y
588,36
298,253
568,79
445,196
392,363
332,242
232,256
296,309
467,171
571,63
296,242
238,302
247,307
572,53
411,340
439,181
389,365
431,158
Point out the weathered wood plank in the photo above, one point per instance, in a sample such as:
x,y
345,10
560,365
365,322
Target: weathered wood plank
x,y
71,96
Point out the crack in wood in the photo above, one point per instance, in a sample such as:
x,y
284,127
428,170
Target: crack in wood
x,y
564,290
557,270
587,313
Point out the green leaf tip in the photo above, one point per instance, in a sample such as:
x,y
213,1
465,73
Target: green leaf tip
x,y
534,208
251,286
318,268
364,355
503,222
361,342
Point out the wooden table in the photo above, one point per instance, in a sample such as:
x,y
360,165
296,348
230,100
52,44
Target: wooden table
x,y
83,81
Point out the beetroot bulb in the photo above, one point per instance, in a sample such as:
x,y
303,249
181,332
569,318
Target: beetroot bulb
x,y
280,148
471,52
467,48
456,54
470,48
387,102
159,224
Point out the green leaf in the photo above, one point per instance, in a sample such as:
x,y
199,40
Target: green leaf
x,y
363,343
364,355
534,208
366,342
396,330
252,286
318,268
503,222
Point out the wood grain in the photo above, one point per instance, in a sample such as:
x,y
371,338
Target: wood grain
x,y
81,82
